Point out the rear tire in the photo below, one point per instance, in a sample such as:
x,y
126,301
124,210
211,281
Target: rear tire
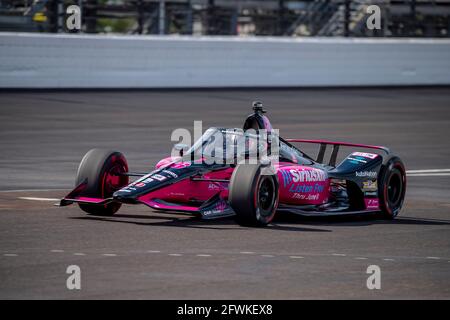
x,y
252,195
100,169
392,187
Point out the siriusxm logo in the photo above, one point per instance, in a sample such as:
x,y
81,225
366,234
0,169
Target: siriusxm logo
x,y
287,178
312,175
369,174
301,175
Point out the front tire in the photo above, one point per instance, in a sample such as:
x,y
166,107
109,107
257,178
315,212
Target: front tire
x,y
101,170
392,187
252,195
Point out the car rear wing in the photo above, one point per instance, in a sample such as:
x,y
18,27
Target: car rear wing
x,y
323,147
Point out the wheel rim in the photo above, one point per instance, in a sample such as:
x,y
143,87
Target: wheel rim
x,y
266,195
395,189
113,180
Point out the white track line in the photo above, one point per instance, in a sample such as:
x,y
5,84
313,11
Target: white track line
x,y
32,190
39,199
427,170
428,173
435,258
444,174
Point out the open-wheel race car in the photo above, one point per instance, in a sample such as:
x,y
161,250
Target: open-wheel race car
x,y
246,174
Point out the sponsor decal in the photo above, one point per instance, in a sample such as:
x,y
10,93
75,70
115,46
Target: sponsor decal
x,y
302,175
170,173
371,193
287,179
149,178
129,188
357,160
301,188
366,174
370,185
176,194
159,177
365,155
219,207
213,186
372,203
302,196
304,183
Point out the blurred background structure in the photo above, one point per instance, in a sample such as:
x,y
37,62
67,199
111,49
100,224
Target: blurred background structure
x,y
400,18
223,43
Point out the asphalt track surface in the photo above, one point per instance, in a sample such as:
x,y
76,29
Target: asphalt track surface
x,y
140,253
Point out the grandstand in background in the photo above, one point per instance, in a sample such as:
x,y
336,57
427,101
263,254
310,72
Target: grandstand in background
x,y
400,18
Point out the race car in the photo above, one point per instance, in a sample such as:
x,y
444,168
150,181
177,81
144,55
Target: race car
x,y
236,172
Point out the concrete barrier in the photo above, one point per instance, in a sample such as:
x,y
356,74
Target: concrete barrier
x,y
99,61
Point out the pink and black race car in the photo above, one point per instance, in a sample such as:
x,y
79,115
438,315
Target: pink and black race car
x,y
289,180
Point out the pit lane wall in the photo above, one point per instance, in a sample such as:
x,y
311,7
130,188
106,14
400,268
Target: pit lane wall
x,y
100,61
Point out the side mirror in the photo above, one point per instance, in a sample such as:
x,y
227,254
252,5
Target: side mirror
x,y
181,147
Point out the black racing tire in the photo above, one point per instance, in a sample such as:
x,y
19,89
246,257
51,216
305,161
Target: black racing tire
x,y
99,168
253,196
392,187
